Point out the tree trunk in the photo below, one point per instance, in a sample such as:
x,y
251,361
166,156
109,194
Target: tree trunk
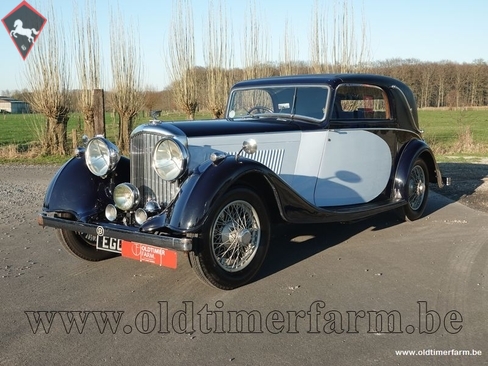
x,y
89,122
125,127
98,103
55,140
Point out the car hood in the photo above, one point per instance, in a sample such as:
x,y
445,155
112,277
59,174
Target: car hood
x,y
233,127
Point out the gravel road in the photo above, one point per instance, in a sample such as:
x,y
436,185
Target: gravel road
x,y
313,302
22,189
469,183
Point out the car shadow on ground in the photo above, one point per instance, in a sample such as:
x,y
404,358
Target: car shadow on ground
x,y
291,244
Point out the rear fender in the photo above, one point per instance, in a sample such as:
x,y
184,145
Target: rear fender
x,y
75,190
411,152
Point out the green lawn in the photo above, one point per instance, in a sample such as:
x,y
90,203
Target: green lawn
x,y
443,126
24,128
442,130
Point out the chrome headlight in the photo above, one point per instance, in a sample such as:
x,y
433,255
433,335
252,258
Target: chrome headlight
x,y
170,159
126,196
101,156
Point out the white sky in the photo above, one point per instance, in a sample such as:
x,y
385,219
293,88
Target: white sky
x,y
428,30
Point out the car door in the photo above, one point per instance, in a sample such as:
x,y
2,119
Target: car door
x,y
356,161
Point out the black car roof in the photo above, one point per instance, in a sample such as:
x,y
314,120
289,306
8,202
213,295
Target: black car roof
x,y
331,79
334,80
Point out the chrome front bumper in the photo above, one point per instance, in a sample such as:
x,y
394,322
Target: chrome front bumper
x,y
117,232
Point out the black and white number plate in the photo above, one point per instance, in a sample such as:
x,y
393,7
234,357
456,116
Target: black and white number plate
x,y
109,244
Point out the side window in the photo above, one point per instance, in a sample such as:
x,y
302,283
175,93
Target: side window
x,y
311,101
360,102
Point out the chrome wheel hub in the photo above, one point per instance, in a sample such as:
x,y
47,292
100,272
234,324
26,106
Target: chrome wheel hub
x,y
231,235
416,188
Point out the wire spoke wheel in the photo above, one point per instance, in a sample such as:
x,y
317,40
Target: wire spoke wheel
x,y
235,236
88,238
234,242
417,190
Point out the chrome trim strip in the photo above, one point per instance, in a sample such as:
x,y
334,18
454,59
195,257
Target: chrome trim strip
x,y
374,129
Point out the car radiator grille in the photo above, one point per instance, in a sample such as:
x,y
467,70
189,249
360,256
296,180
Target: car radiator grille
x,y
143,176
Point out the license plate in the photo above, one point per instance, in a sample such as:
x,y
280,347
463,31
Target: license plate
x,y
109,244
141,252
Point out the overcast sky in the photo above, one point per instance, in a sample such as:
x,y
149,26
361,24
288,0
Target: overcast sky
x,y
428,30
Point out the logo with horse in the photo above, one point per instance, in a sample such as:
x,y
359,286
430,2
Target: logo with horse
x,y
24,24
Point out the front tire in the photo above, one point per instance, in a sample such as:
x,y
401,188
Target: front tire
x,y
417,190
235,240
82,245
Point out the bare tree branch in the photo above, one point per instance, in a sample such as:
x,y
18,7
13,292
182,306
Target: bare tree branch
x,y
218,58
256,46
288,52
339,49
127,95
88,63
181,65
48,77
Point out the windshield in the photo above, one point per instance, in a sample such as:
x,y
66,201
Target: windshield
x,y
305,102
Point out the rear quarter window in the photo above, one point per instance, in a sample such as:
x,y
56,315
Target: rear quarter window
x,y
360,102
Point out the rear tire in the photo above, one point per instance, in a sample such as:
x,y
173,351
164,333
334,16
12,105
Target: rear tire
x,y
235,240
82,245
417,190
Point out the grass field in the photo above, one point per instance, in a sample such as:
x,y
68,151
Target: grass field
x,y
461,132
24,128
19,132
449,132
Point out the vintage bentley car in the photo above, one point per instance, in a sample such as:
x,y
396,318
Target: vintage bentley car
x,y
300,149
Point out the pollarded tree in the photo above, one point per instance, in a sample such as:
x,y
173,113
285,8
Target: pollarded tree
x,y
255,51
337,45
181,63
88,63
218,59
319,52
289,64
127,97
48,78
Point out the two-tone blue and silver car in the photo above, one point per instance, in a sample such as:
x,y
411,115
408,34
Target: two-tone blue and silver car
x,y
300,149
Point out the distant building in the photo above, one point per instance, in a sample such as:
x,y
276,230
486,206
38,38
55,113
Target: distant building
x,y
11,105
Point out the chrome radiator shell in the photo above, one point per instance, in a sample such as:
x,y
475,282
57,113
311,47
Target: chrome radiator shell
x,y
142,174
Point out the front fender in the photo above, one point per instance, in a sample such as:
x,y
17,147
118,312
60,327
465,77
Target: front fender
x,y
201,191
411,152
75,190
